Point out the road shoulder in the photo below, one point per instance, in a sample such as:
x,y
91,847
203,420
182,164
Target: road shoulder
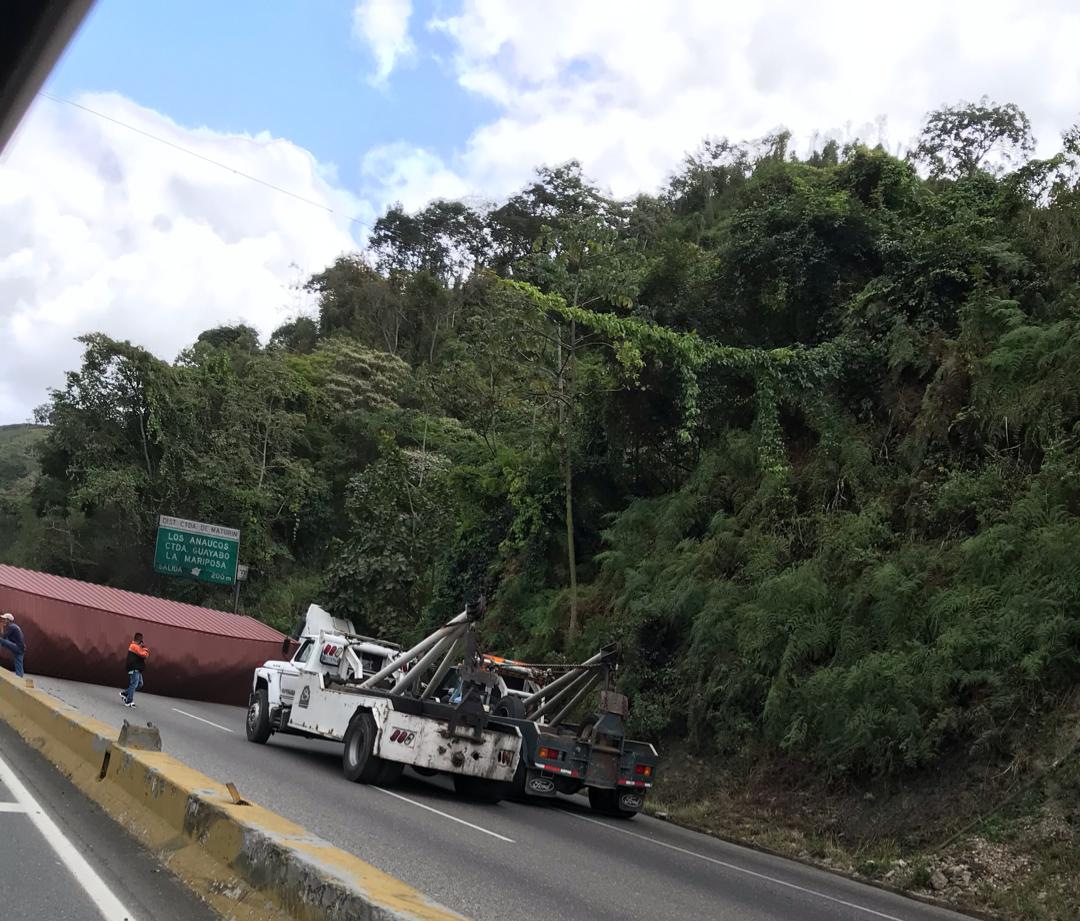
x,y
131,871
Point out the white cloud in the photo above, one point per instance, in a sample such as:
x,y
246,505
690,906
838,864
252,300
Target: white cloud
x,y
629,86
106,230
384,26
410,176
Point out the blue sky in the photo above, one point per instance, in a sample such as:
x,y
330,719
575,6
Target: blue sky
x,y
290,67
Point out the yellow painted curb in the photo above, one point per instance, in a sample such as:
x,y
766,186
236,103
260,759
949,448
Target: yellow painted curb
x,y
249,863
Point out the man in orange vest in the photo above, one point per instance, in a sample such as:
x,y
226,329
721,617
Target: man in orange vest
x,y
137,655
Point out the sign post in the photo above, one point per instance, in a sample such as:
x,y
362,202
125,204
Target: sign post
x,y
195,550
241,576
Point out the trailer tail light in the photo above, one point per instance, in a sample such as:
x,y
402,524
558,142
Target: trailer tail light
x,y
549,754
643,770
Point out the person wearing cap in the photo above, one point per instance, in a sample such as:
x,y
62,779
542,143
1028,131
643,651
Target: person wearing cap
x,y
13,641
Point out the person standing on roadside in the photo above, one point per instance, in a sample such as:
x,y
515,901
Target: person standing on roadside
x,y
13,641
137,655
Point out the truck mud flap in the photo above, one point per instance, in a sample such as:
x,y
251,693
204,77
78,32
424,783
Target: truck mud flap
x,y
631,802
536,784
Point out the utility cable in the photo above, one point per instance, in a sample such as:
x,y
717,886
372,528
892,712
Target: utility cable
x,y
204,158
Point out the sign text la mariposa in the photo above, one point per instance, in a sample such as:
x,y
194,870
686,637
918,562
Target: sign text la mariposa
x,y
195,550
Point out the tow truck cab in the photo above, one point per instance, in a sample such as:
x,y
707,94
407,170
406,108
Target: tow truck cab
x,y
275,682
375,698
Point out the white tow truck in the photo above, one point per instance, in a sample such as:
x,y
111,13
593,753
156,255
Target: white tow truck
x,y
379,701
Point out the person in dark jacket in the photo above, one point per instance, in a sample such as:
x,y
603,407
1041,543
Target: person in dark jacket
x,y
137,655
13,641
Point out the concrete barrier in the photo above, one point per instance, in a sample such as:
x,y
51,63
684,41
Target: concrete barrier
x,y
247,862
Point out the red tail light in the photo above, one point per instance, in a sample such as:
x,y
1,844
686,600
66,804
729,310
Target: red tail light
x,y
643,770
549,754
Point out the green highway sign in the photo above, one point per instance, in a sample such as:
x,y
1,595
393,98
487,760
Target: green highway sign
x,y
207,552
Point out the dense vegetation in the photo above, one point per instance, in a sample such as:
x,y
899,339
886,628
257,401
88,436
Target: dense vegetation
x,y
18,469
801,434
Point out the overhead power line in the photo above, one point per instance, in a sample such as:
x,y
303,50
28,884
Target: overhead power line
x,y
205,159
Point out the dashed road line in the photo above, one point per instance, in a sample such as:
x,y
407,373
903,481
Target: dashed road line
x,y
445,815
201,720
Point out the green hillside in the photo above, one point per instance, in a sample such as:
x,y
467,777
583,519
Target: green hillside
x,y
802,434
18,458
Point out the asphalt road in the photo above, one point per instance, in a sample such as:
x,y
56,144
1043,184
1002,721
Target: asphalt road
x,y
63,859
554,862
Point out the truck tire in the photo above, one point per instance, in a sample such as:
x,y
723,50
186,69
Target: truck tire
x,y
359,762
607,802
514,707
516,788
479,788
510,706
258,717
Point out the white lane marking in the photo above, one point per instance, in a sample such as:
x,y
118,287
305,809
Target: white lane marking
x,y
445,815
201,720
738,869
106,902
12,807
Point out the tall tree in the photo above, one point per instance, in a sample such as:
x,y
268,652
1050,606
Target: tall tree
x,y
958,140
446,239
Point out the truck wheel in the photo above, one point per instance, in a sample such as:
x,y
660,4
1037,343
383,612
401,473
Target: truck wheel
x,y
510,706
607,802
359,762
516,786
258,717
479,788
514,707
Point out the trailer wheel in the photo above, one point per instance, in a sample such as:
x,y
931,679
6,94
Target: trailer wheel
x,y
359,762
479,788
258,717
607,802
